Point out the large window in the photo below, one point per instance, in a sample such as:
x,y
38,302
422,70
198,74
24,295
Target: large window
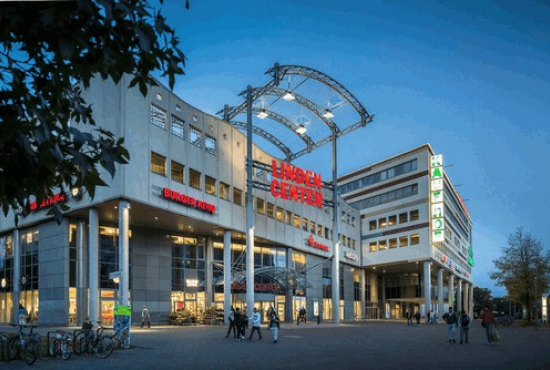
x,y
178,127
379,176
270,210
158,116
260,206
158,164
194,179
210,185
177,172
224,191
194,136
388,197
187,264
210,144
238,197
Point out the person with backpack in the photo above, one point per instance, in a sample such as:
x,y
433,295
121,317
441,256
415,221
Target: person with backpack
x,y
451,319
240,320
231,319
464,325
274,324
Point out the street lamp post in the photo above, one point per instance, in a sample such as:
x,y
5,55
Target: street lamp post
x,y
249,204
335,239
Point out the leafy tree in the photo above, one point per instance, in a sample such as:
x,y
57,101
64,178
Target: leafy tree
x,y
482,299
49,52
523,270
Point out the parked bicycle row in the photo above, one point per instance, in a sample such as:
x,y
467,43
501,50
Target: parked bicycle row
x,y
28,345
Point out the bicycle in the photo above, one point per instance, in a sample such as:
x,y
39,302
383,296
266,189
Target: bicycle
x,y
86,341
28,343
61,344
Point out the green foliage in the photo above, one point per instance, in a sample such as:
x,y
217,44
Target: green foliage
x,y
523,269
482,299
49,51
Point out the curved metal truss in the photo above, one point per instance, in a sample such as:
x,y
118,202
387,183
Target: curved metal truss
x,y
278,72
266,135
272,89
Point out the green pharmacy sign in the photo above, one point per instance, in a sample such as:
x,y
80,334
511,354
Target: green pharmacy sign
x,y
471,256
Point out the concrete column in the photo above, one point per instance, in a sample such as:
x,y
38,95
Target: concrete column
x,y
459,296
362,292
440,301
373,282
81,273
465,303
451,286
16,283
471,303
227,272
93,248
124,252
383,298
289,317
209,272
427,287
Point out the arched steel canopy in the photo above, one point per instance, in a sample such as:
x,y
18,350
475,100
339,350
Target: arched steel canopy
x,y
305,109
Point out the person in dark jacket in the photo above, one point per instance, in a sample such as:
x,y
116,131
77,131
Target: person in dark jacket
x,y
239,324
451,319
231,319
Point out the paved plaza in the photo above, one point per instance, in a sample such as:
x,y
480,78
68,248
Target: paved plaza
x,y
361,345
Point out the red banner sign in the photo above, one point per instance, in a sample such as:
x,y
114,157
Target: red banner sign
x,y
188,201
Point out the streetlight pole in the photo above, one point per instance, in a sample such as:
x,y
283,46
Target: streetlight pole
x,y
335,239
249,205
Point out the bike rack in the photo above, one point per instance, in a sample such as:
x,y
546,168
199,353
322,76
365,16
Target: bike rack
x,y
54,332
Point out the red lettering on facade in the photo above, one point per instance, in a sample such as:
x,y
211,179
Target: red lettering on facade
x,y
188,201
313,243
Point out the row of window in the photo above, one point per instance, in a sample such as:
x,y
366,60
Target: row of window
x,y
159,118
177,170
389,221
388,197
402,241
379,176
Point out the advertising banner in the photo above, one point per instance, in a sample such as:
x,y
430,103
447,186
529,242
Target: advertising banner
x,y
121,324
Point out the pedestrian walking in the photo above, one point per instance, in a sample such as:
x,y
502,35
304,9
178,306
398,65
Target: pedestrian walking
x,y
239,324
464,325
488,322
451,319
22,315
428,317
145,317
417,317
231,319
409,317
274,324
256,324
301,316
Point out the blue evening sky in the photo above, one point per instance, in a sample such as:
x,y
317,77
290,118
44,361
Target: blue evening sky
x,y
472,78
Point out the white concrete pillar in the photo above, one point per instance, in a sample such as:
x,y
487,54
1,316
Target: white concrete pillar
x,y
373,282
427,287
81,273
362,292
465,303
16,283
289,298
209,272
124,252
459,296
451,286
227,273
93,248
440,299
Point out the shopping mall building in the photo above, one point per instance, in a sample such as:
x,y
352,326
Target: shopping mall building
x,y
169,231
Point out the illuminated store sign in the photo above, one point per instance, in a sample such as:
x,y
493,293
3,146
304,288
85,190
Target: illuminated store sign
x,y
351,256
188,201
293,183
57,198
436,198
259,287
313,243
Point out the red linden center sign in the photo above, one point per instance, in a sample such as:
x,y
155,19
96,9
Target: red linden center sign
x,y
293,183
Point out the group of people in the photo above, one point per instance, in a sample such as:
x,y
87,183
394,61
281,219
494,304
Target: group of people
x,y
464,322
410,316
238,323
